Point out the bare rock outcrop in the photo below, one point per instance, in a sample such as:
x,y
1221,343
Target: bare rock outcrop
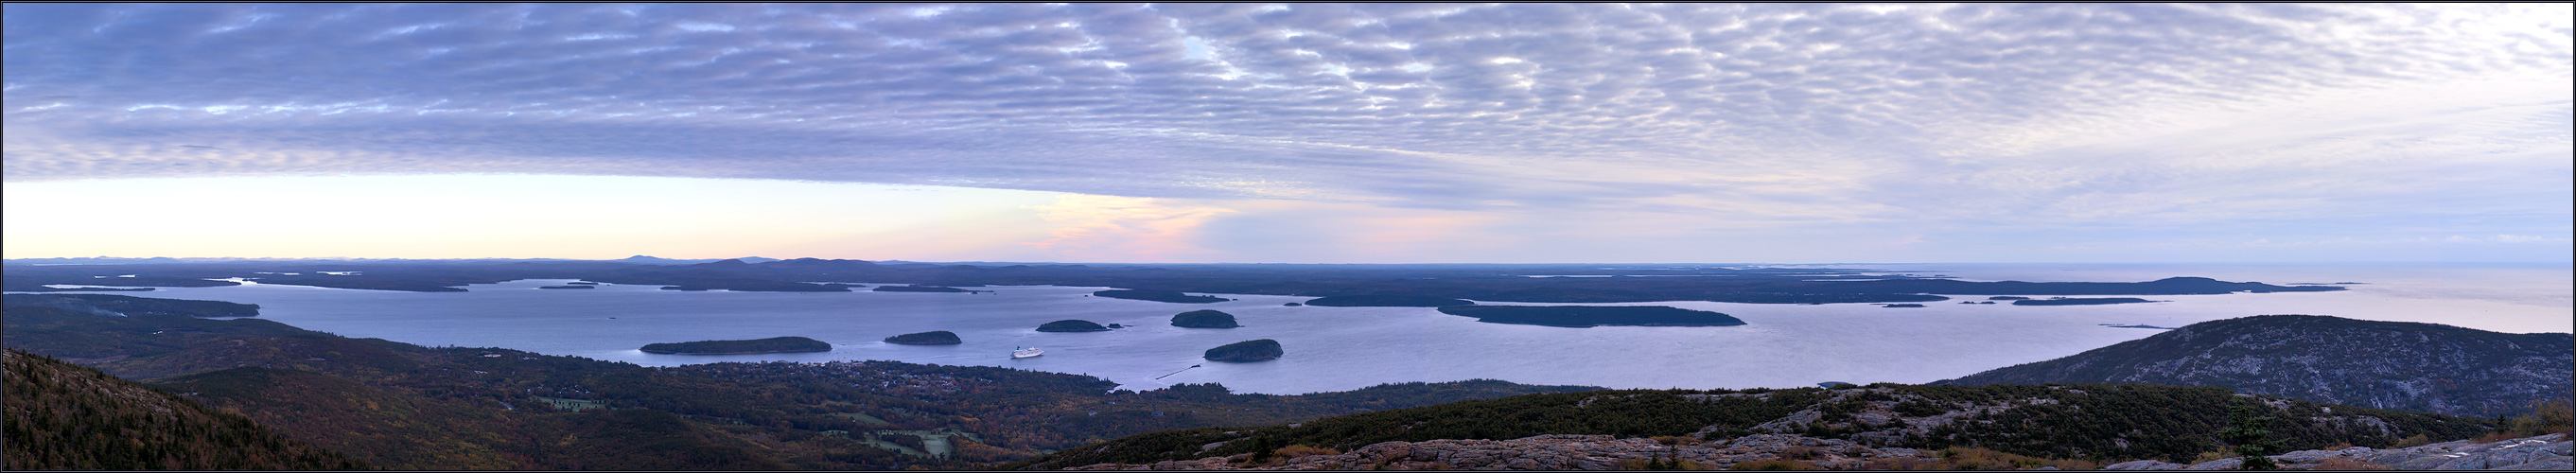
x,y
2546,452
1601,452
1554,452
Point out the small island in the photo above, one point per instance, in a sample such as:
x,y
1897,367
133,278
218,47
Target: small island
x,y
917,288
941,337
740,347
1902,306
1593,316
1072,326
1158,296
1292,304
2007,298
583,283
565,287
1204,319
1246,351
1387,301
2081,301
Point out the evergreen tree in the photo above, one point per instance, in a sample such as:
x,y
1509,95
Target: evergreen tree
x,y
2250,433
1261,449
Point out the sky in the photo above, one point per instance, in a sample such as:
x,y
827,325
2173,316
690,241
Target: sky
x,y
1306,133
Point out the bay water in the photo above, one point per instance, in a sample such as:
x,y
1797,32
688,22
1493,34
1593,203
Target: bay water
x,y
1343,348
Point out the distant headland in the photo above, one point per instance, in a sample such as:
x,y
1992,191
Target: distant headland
x,y
1157,296
1387,301
2081,301
1593,316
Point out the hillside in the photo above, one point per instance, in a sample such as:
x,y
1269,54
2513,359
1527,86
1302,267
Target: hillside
x,y
401,406
1796,452
2090,421
2387,365
66,417
407,431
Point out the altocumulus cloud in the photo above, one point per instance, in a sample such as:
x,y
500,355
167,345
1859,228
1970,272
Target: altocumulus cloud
x,y
1938,119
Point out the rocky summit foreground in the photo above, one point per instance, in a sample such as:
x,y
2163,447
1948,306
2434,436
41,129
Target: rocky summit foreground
x,y
1602,452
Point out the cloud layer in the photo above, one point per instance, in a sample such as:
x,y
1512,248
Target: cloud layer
x,y
1950,120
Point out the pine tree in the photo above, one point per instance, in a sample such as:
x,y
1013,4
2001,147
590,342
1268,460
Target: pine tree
x,y
1261,449
2251,435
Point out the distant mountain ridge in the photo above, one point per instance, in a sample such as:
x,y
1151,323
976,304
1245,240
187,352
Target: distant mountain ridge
x,y
2387,365
1430,285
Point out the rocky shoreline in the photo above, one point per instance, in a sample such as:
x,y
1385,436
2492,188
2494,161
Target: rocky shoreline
x,y
1602,452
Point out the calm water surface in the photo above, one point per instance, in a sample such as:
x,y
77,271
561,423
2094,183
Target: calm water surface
x,y
1342,348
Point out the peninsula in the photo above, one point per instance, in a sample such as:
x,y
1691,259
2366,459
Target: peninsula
x,y
1388,301
1158,296
2081,301
917,288
1593,316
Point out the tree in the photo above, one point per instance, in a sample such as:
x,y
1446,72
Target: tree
x,y
1261,449
2250,433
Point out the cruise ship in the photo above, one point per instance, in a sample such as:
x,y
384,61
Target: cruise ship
x,y
1026,353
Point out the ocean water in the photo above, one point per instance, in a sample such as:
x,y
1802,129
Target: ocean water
x,y
1343,348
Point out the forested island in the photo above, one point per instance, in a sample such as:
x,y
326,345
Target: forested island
x,y
1157,296
2081,301
740,347
1593,316
1204,319
1246,351
940,337
1070,325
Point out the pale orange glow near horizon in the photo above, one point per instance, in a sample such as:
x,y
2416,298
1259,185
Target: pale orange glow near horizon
x,y
508,216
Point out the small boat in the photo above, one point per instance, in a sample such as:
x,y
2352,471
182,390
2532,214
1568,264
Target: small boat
x,y
1026,353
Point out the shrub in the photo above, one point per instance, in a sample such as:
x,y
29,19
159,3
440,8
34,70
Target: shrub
x,y
1919,409
1800,453
2416,441
2347,464
2554,416
1898,464
1300,450
1773,465
1973,458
